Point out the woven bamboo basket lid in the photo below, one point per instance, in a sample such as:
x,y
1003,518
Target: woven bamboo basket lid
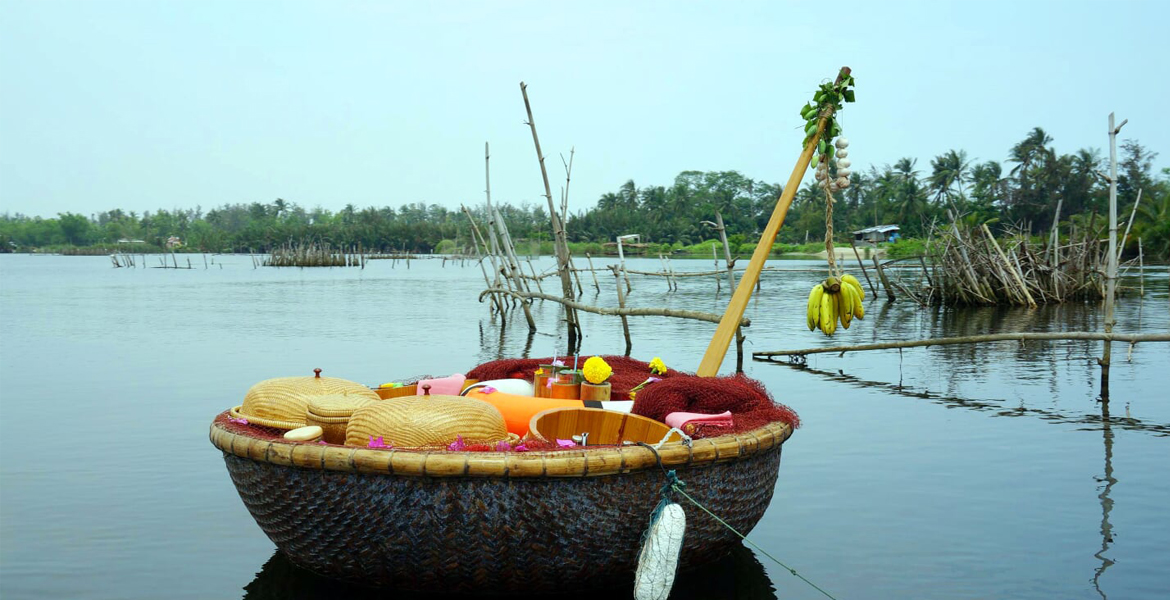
x,y
336,406
426,422
283,402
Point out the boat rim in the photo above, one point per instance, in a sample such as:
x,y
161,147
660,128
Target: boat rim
x,y
603,460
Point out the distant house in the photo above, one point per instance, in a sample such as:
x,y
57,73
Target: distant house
x,y
881,233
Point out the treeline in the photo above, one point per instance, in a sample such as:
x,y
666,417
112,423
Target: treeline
x,y
261,227
1023,192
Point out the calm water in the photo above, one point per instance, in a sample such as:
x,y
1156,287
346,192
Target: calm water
x,y
956,472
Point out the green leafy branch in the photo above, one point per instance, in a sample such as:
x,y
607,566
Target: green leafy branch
x,y
829,98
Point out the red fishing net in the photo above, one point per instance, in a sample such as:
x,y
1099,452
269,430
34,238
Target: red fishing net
x,y
627,372
750,404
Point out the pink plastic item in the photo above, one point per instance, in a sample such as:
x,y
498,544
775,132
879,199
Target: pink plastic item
x,y
448,386
679,420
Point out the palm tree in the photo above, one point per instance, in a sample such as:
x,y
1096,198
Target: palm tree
x,y
950,170
1029,150
910,199
1153,225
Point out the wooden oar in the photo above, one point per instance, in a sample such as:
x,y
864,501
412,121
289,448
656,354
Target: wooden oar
x,y
717,349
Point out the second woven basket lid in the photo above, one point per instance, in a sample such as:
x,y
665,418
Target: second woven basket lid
x,y
426,422
282,402
336,405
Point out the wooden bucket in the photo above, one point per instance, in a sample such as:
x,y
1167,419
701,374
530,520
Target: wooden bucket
x,y
605,427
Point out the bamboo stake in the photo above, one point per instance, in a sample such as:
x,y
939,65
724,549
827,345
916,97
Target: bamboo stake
x,y
622,305
974,339
486,280
560,242
1129,225
726,252
877,266
717,349
862,265
539,288
1111,275
1141,271
593,272
1056,229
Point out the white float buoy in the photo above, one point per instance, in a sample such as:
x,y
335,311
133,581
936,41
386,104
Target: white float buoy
x,y
658,561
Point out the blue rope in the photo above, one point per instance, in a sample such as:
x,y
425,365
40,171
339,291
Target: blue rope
x,y
674,484
744,538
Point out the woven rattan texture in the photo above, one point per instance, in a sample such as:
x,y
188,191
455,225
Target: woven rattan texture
x,y
497,534
426,421
284,400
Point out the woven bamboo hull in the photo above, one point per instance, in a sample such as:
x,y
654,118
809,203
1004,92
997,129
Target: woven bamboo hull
x,y
492,534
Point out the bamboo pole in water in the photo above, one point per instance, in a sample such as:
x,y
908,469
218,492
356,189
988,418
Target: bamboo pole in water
x,y
592,271
630,312
974,339
862,265
560,242
1111,274
717,349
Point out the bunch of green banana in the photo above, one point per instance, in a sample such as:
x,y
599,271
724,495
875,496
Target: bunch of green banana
x,y
835,300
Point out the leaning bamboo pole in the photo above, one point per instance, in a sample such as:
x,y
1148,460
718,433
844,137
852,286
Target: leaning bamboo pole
x,y
560,242
717,349
974,339
1012,270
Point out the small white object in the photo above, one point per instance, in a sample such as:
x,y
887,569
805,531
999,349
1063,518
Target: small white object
x,y
843,172
658,561
833,187
842,182
820,175
842,153
309,433
843,164
842,143
821,184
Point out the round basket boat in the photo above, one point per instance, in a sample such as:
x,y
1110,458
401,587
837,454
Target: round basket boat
x,y
496,522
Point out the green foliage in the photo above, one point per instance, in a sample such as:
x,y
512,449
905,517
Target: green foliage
x,y
827,101
905,247
670,218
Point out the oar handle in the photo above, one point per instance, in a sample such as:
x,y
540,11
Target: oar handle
x,y
717,349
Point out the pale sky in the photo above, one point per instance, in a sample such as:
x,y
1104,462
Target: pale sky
x,y
173,104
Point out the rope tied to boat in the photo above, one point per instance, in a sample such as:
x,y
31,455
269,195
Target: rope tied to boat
x,y
662,541
675,485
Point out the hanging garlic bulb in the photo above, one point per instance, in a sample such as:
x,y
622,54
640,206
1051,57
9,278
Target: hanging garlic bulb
x,y
843,172
842,143
833,187
843,164
842,182
820,175
842,153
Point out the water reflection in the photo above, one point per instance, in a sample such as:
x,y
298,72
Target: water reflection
x,y
738,576
1053,416
1106,501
